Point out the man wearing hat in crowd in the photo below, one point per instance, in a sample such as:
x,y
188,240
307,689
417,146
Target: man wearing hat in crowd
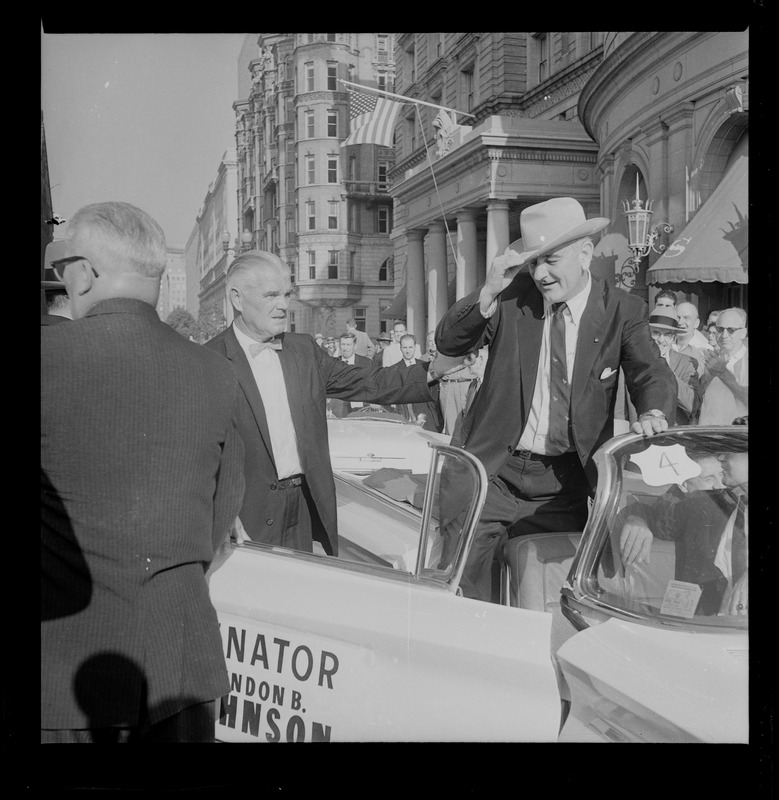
x,y
557,338
57,302
664,328
383,341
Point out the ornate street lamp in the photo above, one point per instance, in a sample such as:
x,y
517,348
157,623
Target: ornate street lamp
x,y
642,238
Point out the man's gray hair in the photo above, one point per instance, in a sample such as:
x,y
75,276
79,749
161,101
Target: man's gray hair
x,y
243,270
128,239
738,311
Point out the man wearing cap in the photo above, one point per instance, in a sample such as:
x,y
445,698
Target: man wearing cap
x,y
557,338
382,342
57,302
664,329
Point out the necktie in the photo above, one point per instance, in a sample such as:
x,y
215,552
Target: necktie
x,y
738,555
256,348
558,437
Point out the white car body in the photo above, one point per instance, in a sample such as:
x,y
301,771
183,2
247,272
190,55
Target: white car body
x,y
377,644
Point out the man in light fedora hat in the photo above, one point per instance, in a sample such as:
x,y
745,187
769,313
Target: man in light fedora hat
x,y
557,338
663,328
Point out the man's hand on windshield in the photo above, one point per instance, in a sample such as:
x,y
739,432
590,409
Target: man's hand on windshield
x,y
635,542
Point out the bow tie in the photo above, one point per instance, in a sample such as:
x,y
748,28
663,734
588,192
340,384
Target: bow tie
x,y
256,348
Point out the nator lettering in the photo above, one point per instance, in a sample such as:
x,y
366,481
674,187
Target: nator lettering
x,y
301,661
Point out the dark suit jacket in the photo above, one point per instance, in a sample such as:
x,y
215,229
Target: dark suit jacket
x,y
311,376
141,480
688,400
342,407
614,332
696,521
432,408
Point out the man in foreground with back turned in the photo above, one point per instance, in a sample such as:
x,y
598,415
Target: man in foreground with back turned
x,y
557,338
141,481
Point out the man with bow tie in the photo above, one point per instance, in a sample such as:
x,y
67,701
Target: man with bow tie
x,y
557,337
285,380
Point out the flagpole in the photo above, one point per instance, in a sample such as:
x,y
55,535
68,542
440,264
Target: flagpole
x,y
403,97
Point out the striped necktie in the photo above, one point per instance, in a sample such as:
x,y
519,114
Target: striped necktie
x,y
558,439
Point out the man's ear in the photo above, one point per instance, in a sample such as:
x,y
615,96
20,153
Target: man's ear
x,y
236,299
83,278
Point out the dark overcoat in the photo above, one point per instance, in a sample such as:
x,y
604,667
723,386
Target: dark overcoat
x,y
141,478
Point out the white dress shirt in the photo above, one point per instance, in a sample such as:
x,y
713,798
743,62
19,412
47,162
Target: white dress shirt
x,y
269,378
534,435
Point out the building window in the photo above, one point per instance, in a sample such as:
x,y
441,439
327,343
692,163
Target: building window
x,y
411,63
332,77
352,168
292,272
311,265
466,78
382,48
309,76
541,46
352,218
381,81
382,168
309,124
332,123
330,37
332,215
291,318
332,170
311,215
332,265
361,318
310,169
411,131
383,219
439,46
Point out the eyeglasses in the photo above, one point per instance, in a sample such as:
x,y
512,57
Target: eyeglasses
x,y
730,331
58,266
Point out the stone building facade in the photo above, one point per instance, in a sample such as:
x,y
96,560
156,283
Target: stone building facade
x,y
173,285
670,114
461,180
324,209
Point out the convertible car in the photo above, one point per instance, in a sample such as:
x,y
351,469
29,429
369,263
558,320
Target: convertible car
x,y
377,644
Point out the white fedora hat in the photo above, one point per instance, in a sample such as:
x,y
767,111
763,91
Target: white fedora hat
x,y
551,225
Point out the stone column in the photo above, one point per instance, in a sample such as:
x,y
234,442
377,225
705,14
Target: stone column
x,y
481,256
497,229
437,301
466,252
415,284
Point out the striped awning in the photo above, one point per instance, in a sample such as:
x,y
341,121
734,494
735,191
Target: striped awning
x,y
714,246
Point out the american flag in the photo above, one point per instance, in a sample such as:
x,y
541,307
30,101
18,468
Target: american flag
x,y
371,118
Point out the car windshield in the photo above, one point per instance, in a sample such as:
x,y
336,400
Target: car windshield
x,y
669,533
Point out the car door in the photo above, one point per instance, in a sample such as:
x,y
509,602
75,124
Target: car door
x,y
654,659
328,649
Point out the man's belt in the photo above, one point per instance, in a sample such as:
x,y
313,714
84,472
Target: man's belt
x,y
446,379
288,483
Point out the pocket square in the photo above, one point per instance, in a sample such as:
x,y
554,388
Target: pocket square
x,y
607,373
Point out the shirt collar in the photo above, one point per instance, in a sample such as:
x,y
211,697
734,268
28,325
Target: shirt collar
x,y
576,304
245,341
737,355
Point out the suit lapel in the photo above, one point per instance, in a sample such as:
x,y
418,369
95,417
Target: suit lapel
x,y
591,333
530,330
294,380
248,385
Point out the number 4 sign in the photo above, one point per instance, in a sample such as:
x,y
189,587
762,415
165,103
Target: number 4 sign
x,y
661,465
